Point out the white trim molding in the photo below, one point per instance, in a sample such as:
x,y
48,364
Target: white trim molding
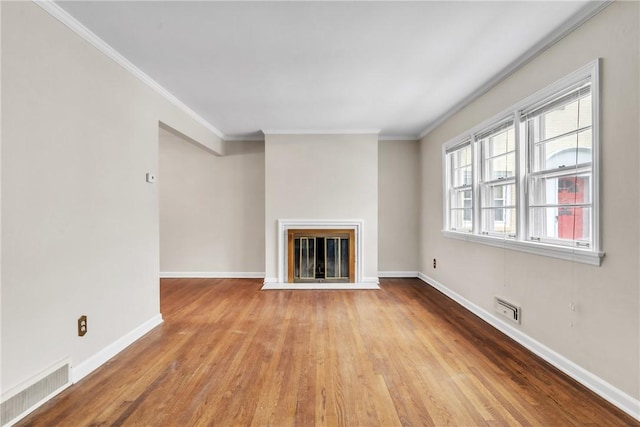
x,y
83,369
610,393
211,275
231,138
321,131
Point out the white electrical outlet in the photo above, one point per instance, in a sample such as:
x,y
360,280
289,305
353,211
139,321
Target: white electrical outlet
x,y
151,178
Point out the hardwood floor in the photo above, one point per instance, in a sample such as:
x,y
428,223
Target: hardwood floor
x,y
229,354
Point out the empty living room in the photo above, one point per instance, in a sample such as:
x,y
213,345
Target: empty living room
x,y
319,213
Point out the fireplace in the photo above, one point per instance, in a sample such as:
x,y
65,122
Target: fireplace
x,y
321,255
341,245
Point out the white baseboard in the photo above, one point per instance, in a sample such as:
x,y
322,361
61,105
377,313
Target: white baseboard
x,y
615,396
268,286
397,274
94,362
210,275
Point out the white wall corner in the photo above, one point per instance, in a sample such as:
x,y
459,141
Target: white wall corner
x,y
94,362
610,393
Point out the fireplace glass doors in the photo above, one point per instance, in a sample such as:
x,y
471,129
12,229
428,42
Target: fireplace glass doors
x,y
321,256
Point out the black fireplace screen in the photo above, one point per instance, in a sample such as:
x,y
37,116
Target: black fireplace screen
x,y
321,258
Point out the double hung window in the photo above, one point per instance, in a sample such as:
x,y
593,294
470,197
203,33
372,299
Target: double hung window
x,y
529,175
560,139
461,189
498,180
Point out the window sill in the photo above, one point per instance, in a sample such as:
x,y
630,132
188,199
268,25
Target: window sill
x,y
560,252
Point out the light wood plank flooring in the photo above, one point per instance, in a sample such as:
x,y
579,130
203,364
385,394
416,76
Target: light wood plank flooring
x,y
229,354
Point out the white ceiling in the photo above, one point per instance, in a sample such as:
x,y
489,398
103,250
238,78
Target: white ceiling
x,y
323,66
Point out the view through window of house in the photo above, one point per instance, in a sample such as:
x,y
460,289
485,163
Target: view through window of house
x,y
533,170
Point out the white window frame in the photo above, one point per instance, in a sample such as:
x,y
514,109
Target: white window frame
x,y
459,145
484,184
590,255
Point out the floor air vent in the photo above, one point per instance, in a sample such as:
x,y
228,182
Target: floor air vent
x,y
50,383
508,310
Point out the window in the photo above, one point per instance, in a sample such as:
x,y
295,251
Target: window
x,y
498,179
460,193
560,138
527,179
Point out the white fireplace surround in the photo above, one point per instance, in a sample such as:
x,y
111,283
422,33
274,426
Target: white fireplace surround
x,y
284,225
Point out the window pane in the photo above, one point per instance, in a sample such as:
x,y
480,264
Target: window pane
x,y
561,190
500,143
462,176
500,167
584,118
461,157
566,118
563,152
461,199
461,167
499,195
564,223
498,152
461,219
499,220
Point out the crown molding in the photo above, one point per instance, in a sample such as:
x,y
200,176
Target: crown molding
x,y
587,12
261,138
398,138
70,22
321,131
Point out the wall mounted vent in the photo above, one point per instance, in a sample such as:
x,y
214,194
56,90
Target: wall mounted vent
x,y
29,396
508,309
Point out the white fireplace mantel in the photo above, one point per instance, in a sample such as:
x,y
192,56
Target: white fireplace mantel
x,y
284,225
